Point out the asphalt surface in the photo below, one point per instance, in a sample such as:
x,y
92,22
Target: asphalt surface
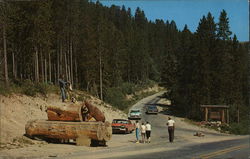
x,y
161,148
231,149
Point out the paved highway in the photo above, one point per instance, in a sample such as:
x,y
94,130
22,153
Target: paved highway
x,y
161,148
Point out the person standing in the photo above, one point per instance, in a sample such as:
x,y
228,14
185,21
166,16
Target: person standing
x,y
137,129
143,132
62,85
148,132
171,127
68,91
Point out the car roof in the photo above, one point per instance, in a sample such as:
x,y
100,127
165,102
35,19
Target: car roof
x,y
152,105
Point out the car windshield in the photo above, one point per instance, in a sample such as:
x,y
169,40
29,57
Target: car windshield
x,y
135,111
152,107
120,121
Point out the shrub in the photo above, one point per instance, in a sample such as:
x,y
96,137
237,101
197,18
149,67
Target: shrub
x,y
31,89
28,88
42,88
3,89
225,128
128,88
115,97
80,98
239,128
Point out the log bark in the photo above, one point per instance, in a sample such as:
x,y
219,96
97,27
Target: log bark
x,y
72,112
69,130
75,112
95,112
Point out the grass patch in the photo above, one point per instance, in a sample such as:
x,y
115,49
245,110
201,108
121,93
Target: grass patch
x,y
28,88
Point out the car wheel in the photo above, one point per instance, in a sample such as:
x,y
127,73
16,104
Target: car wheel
x,y
126,132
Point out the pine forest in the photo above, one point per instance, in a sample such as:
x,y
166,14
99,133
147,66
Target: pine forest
x,y
104,49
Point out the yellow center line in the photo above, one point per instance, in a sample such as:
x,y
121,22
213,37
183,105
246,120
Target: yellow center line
x,y
220,152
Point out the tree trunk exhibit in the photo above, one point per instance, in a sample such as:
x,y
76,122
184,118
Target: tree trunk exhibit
x,y
95,112
75,112
69,130
71,112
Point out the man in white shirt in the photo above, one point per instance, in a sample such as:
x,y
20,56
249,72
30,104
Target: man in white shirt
x,y
171,127
143,132
148,132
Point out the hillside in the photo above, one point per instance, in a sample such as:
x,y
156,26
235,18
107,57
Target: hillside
x,y
17,109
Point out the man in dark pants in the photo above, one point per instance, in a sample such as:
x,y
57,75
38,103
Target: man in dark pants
x,y
62,85
171,127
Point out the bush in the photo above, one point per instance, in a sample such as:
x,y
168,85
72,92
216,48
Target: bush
x,y
31,89
128,88
81,98
115,97
42,88
225,128
3,89
28,88
239,128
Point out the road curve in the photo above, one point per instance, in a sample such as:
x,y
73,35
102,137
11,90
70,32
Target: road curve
x,y
185,145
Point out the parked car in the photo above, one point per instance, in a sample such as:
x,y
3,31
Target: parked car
x,y
135,114
151,109
122,126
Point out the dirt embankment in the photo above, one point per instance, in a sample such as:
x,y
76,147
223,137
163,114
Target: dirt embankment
x,y
16,110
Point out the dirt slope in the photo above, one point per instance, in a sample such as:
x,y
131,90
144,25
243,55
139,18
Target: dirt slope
x,y
16,110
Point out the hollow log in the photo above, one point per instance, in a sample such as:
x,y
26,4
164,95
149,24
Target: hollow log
x,y
72,112
94,112
69,130
75,112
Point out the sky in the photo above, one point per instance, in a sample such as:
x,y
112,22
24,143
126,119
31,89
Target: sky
x,y
191,11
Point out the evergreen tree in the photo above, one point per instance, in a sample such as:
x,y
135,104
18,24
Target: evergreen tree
x,y
223,26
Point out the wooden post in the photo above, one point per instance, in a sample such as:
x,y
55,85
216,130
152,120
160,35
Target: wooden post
x,y
206,113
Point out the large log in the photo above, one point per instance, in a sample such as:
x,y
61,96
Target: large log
x,y
69,130
72,112
75,112
94,112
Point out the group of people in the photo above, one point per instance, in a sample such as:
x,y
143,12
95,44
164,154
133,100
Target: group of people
x,y
145,131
